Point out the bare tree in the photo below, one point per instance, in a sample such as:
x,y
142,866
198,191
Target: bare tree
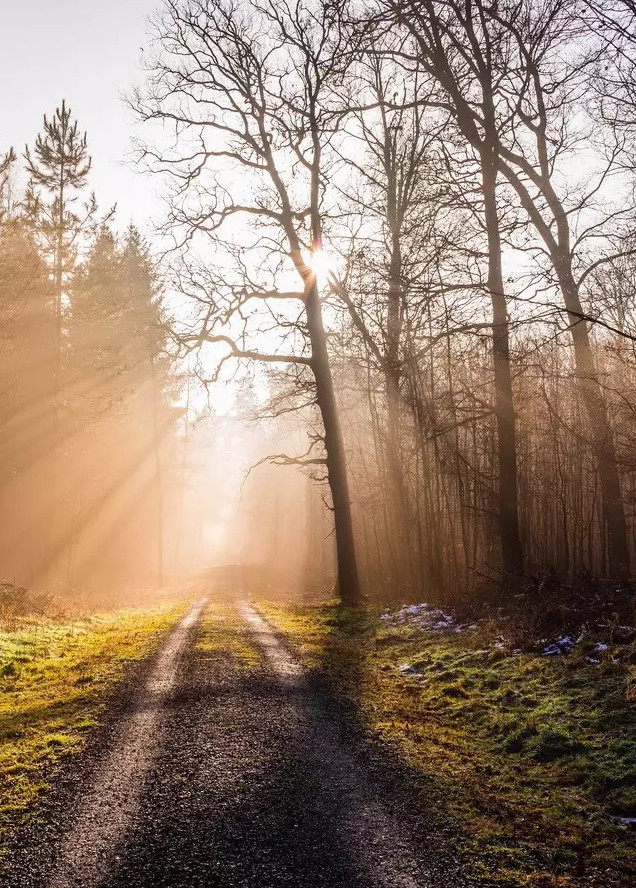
x,y
465,57
251,95
537,136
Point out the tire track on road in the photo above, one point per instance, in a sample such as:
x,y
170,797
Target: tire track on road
x,y
89,851
379,842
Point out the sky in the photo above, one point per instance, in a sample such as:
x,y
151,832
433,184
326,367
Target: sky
x,y
87,52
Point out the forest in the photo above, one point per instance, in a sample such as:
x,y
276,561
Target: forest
x,y
367,383
408,235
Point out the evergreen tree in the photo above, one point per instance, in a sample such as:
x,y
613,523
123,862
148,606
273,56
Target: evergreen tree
x,y
96,340
26,389
144,319
25,328
120,404
58,167
116,328
7,164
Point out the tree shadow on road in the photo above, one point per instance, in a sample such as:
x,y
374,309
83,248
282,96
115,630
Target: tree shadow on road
x,y
346,684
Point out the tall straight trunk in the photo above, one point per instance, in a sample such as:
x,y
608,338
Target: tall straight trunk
x,y
348,581
504,407
392,372
184,472
58,284
378,436
586,371
158,479
602,439
57,458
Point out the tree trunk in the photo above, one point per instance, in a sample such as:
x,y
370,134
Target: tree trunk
x,y
348,581
158,479
602,438
397,493
504,407
560,249
58,283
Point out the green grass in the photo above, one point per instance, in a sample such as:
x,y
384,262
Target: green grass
x,y
224,637
532,759
54,680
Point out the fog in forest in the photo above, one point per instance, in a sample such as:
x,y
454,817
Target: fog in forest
x,y
379,340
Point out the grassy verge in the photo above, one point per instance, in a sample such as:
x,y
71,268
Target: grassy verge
x,y
533,759
54,679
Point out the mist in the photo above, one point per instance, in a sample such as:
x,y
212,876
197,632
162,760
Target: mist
x,y
364,358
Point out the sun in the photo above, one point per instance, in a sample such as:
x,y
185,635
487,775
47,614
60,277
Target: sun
x,y
322,264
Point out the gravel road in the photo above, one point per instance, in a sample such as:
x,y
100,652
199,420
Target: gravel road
x,y
225,773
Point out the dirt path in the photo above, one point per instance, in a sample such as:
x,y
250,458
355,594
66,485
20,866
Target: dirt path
x,y
232,774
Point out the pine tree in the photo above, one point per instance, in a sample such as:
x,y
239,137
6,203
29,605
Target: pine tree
x,y
26,391
25,331
96,340
144,304
145,317
58,167
119,403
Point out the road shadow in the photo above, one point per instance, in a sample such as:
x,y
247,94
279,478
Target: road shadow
x,y
339,681
267,783
235,798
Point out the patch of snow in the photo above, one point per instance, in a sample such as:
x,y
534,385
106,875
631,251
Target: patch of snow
x,y
560,646
424,618
441,625
409,670
552,650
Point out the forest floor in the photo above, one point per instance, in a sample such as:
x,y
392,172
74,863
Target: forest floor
x,y
222,764
277,745
530,754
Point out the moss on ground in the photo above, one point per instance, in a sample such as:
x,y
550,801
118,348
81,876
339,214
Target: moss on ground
x,y
532,758
224,636
54,679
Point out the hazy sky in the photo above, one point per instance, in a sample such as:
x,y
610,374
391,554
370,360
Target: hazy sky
x,y
87,52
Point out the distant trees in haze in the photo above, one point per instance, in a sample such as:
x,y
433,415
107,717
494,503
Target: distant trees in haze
x,y
85,395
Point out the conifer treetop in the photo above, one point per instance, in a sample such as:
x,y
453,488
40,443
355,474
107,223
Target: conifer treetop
x,y
60,156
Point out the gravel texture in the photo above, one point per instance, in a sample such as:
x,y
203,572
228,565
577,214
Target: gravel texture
x,y
226,774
